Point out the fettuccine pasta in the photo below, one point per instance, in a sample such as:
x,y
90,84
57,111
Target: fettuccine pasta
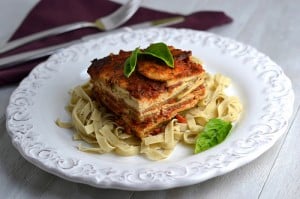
x,y
95,125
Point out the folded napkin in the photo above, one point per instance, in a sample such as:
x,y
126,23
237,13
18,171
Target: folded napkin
x,y
51,13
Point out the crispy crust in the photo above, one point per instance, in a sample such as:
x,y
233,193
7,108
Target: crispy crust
x,y
141,84
183,67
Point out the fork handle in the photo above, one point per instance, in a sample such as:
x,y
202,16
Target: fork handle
x,y
12,60
43,34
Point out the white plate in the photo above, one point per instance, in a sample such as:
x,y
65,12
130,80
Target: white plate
x,y
265,91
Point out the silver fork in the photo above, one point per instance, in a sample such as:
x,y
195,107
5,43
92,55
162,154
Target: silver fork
x,y
108,22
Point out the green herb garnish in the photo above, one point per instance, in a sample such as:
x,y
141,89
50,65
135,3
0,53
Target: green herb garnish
x,y
215,131
160,51
157,50
130,62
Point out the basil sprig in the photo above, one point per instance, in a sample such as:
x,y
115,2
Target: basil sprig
x,y
157,50
215,131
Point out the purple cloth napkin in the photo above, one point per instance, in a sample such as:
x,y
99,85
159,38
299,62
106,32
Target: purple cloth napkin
x,y
51,13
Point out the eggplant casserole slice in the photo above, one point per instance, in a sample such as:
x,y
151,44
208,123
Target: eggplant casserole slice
x,y
152,95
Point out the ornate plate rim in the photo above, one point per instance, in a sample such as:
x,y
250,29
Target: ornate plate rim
x,y
187,172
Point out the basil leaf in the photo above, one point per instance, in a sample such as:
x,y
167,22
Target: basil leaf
x,y
130,62
215,131
160,51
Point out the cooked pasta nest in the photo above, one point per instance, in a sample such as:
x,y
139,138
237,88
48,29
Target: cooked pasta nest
x,y
94,124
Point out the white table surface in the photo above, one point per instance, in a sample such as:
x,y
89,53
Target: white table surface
x,y
271,26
